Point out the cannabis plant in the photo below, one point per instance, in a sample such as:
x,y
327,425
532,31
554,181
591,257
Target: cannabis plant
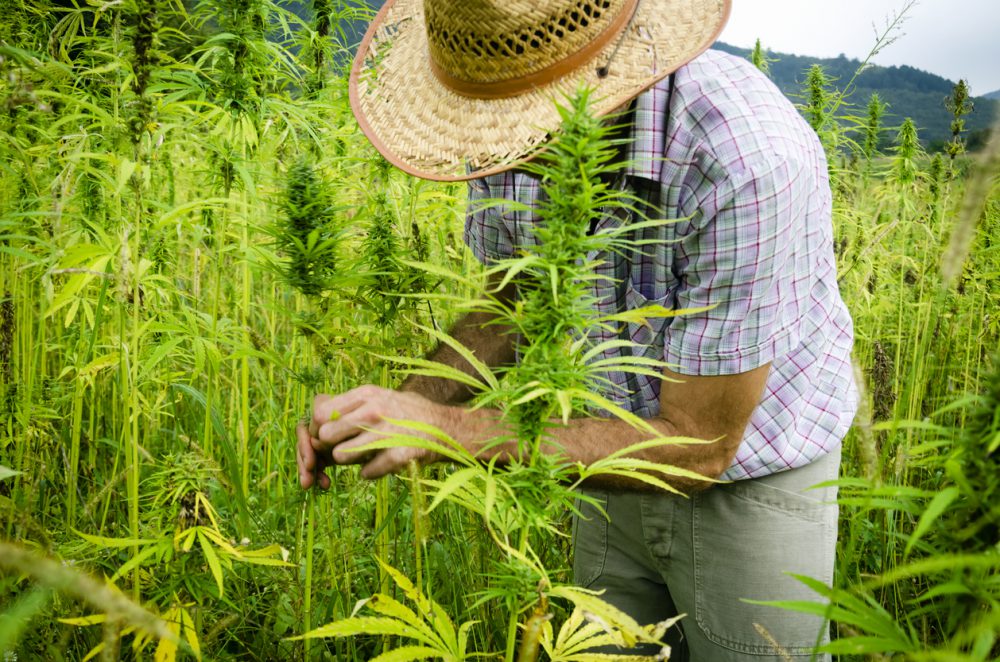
x,y
959,104
904,175
873,127
560,375
760,59
185,556
308,236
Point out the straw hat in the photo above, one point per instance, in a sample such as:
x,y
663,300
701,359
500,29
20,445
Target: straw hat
x,y
458,89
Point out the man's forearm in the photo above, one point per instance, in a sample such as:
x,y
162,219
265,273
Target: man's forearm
x,y
489,340
589,440
705,407
715,409
712,408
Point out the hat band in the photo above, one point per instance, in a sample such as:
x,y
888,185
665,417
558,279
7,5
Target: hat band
x,y
514,86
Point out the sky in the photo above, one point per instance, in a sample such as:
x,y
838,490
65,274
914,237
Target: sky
x,y
951,38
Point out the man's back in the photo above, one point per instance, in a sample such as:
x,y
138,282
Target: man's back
x,y
720,147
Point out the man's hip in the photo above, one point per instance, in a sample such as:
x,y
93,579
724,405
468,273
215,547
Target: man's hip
x,y
706,556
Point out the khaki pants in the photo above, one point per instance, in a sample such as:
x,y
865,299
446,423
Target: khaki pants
x,y
661,555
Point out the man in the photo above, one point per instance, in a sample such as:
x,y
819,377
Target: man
x,y
464,89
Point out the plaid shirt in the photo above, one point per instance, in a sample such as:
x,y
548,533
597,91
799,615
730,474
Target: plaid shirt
x,y
720,147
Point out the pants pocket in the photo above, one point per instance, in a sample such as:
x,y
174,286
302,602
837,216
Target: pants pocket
x,y
748,538
590,537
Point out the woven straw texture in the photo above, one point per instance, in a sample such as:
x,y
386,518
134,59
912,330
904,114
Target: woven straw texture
x,y
430,130
486,42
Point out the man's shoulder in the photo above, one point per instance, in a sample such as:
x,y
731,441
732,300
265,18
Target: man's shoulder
x,y
725,78
725,108
713,63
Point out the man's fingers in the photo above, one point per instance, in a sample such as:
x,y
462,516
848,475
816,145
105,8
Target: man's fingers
x,y
341,425
335,433
320,399
335,408
305,473
346,453
306,453
355,422
303,456
311,464
318,402
380,465
305,476
390,461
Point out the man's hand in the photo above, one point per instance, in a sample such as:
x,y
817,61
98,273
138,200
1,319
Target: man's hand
x,y
343,423
361,413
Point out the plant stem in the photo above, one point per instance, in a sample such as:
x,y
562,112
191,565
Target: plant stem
x,y
310,543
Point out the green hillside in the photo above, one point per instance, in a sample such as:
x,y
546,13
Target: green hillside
x,y
910,92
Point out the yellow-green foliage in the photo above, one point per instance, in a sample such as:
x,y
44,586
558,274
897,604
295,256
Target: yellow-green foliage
x,y
195,238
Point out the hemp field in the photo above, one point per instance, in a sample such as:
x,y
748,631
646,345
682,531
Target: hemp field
x,y
195,238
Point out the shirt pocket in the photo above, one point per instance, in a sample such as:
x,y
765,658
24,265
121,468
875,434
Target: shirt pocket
x,y
648,333
749,537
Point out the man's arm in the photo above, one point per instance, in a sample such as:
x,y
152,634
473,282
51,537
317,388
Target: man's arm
x,y
710,408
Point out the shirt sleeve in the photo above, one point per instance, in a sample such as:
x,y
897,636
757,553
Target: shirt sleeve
x,y
486,233
746,258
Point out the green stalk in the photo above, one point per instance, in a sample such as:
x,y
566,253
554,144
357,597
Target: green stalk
x,y
10,336
382,498
76,426
339,574
310,543
416,508
80,389
291,402
554,303
245,365
213,375
310,519
134,410
33,349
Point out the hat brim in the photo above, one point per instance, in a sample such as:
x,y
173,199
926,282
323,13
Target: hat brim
x,y
430,131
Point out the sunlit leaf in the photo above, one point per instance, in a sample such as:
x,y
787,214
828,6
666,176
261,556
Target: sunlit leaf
x,y
166,649
630,631
100,363
483,370
7,472
139,559
407,653
388,606
353,626
213,561
938,505
84,621
460,479
102,541
190,632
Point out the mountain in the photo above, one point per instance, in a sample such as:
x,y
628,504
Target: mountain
x,y
909,92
